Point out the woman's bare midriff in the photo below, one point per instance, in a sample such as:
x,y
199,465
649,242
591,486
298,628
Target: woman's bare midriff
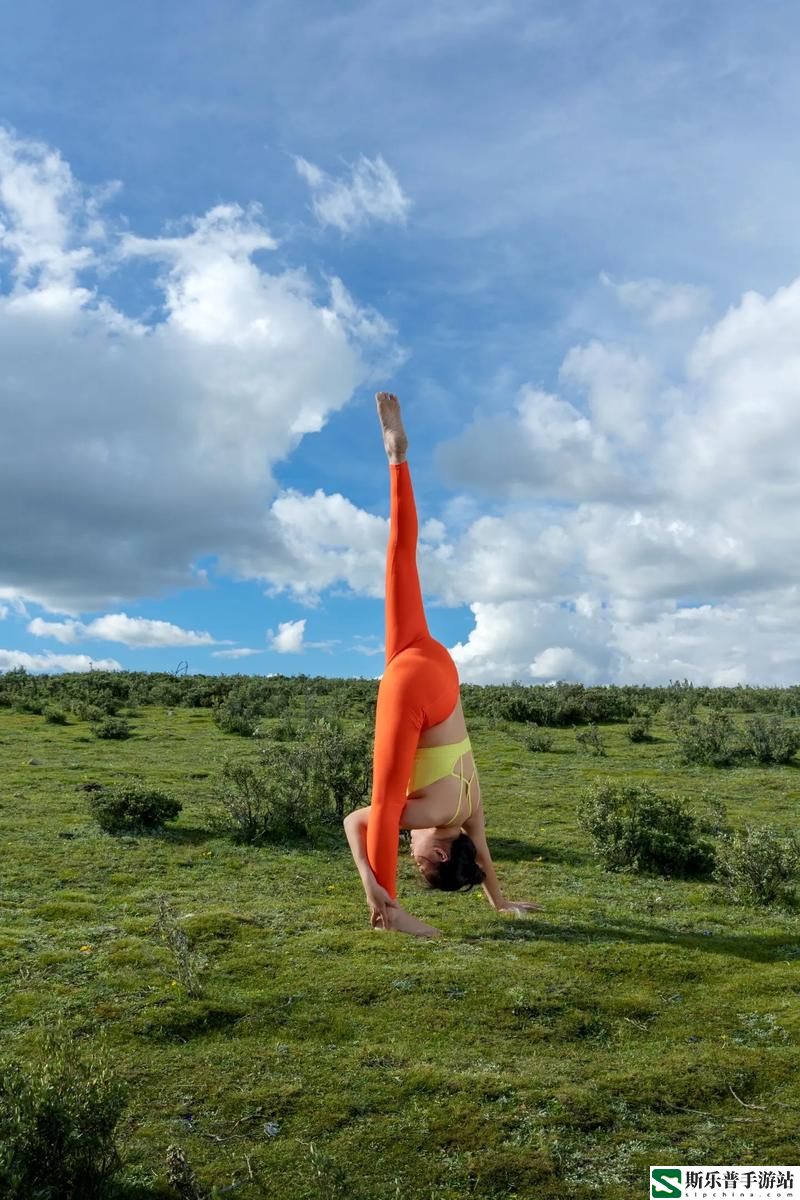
x,y
443,795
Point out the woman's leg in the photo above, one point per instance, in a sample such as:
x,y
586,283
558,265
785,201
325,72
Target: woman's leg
x,y
397,727
404,611
398,716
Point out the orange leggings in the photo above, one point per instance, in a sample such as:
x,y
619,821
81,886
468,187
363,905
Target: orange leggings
x,y
419,686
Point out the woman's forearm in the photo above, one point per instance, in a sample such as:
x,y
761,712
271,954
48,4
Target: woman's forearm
x,y
491,887
491,884
355,832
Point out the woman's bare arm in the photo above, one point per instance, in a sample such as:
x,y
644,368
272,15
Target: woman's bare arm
x,y
475,828
355,827
385,913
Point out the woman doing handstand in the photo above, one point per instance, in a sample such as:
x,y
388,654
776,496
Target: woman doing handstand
x,y
423,767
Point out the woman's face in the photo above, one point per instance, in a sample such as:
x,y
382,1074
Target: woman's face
x,y
428,849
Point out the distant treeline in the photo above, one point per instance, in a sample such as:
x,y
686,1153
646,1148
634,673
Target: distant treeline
x,y
307,696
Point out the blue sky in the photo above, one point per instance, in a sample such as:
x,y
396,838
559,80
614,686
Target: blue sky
x,y
564,235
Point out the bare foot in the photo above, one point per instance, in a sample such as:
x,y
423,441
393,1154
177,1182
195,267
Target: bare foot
x,y
401,921
394,435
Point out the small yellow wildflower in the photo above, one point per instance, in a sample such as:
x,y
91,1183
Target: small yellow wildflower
x,y
174,983
86,949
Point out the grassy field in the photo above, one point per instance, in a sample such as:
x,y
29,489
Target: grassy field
x,y
634,1021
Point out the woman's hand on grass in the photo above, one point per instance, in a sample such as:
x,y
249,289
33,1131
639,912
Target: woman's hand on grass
x,y
380,903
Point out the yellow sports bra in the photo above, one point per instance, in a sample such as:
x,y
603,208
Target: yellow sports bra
x,y
432,763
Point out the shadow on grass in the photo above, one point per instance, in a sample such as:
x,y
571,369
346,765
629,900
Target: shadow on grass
x,y
140,1191
187,835
514,850
747,946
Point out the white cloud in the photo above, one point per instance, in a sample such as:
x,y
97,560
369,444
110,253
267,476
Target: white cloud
x,y
61,631
533,641
372,193
160,437
241,652
619,388
321,539
15,602
48,219
289,638
609,565
546,448
660,303
118,627
11,659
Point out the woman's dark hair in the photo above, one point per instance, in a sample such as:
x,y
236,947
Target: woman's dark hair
x,y
460,871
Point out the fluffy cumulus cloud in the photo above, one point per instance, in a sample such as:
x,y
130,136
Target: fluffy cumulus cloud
x,y
118,627
13,659
634,521
289,638
644,529
310,542
372,192
133,447
545,446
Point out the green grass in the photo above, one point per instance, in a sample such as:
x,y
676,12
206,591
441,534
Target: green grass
x,y
634,1021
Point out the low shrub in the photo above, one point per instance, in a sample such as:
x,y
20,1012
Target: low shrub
x,y
53,715
537,739
238,713
261,801
639,727
132,808
713,741
337,765
58,1120
286,730
756,865
112,728
590,740
292,789
188,963
85,711
632,827
770,739
714,820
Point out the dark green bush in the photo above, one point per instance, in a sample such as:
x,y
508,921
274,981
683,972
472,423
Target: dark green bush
x,y
292,789
53,715
591,741
85,711
770,739
537,739
756,865
261,801
337,765
639,727
713,741
112,728
237,713
714,819
632,827
132,807
286,730
58,1119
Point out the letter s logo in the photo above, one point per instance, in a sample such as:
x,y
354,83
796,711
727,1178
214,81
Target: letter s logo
x,y
664,1176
